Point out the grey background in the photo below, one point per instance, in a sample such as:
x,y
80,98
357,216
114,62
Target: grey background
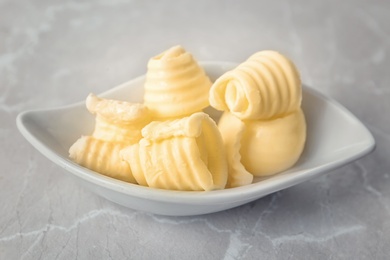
x,y
55,52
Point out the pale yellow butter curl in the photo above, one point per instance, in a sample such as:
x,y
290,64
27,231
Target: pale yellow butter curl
x,y
101,156
181,154
266,147
175,85
116,120
267,85
117,125
232,129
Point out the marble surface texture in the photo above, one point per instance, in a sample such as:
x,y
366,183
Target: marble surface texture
x,y
55,52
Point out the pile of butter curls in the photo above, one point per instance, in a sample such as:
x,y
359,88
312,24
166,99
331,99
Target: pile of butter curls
x,y
168,142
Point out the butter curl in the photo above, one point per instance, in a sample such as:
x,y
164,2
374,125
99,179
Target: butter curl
x,y
267,85
175,85
181,154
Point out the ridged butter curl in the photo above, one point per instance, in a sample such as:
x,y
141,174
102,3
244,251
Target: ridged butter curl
x,y
116,120
267,85
101,156
175,84
117,125
181,154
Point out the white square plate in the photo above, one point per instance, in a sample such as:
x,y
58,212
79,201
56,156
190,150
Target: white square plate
x,y
335,137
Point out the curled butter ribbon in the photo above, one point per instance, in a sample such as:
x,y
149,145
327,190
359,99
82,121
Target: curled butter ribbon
x,y
117,125
181,154
267,85
175,85
101,156
116,120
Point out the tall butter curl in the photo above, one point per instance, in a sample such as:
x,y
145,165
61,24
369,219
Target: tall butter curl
x,y
175,85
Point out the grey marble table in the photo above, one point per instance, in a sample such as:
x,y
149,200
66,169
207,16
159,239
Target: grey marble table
x,y
55,52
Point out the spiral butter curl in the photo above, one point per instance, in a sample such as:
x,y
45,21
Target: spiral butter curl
x,y
117,125
181,154
175,85
267,85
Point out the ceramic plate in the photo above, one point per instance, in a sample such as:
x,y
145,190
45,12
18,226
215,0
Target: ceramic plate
x,y
335,137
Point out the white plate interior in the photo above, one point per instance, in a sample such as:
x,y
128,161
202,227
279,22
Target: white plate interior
x,y
334,137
